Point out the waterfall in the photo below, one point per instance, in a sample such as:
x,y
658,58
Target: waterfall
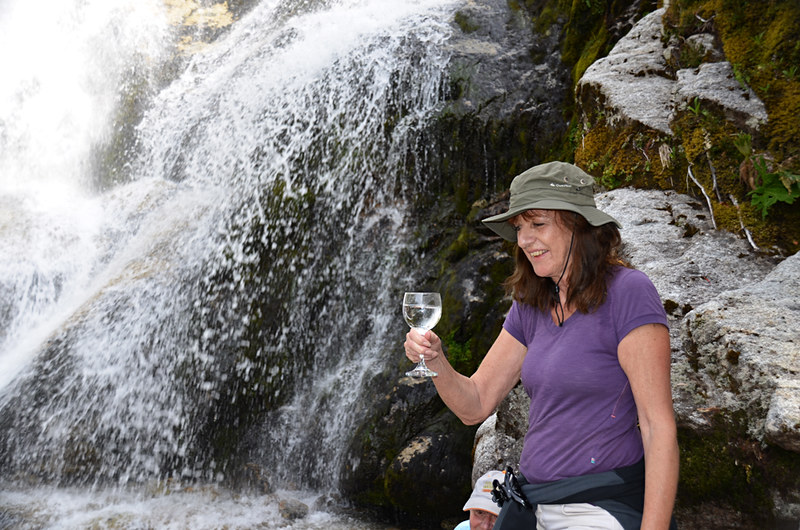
x,y
223,298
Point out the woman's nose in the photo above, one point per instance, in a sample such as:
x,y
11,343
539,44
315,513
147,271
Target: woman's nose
x,y
524,237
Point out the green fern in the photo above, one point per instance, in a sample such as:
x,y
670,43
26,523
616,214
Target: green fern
x,y
782,186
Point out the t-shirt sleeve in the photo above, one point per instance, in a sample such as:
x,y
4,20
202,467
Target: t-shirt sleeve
x,y
513,323
636,303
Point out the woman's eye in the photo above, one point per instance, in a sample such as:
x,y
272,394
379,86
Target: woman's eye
x,y
515,227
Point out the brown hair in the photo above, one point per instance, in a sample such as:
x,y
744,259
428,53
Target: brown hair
x,y
595,251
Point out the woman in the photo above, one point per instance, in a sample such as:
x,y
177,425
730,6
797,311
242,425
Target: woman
x,y
587,335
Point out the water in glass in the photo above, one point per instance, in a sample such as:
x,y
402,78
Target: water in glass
x,y
422,311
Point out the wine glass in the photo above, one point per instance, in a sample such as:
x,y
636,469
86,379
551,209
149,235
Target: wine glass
x,y
422,311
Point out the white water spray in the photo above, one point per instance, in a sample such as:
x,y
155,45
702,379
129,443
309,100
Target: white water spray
x,y
258,236
63,68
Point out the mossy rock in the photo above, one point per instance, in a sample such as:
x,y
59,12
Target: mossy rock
x,y
765,57
724,467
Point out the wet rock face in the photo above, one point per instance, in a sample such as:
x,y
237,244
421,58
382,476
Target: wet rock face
x,y
507,90
412,458
503,66
411,461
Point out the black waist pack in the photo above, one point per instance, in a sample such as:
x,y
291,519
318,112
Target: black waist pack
x,y
514,516
620,492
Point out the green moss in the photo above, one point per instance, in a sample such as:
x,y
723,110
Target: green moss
x,y
704,142
464,22
759,41
594,48
460,354
618,156
783,129
459,248
725,465
548,15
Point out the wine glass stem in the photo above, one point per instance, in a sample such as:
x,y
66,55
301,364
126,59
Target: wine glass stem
x,y
422,332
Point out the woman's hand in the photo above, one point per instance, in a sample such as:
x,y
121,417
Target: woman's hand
x,y
427,344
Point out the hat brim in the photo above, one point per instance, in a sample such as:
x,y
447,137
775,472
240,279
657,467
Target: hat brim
x,y
499,223
481,503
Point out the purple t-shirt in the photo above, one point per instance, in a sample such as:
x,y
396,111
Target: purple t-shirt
x,y
583,417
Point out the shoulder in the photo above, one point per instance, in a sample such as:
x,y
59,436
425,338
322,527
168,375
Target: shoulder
x,y
625,278
463,525
522,314
523,309
634,301
521,321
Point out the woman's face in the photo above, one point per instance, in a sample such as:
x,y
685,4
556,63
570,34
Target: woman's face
x,y
545,241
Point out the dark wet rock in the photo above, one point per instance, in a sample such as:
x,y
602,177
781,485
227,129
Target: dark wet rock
x,y
292,509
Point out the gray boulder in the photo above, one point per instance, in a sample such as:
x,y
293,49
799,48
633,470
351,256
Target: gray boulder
x,y
631,82
634,83
742,354
733,313
292,509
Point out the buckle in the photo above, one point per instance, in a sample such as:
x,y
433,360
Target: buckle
x,y
509,490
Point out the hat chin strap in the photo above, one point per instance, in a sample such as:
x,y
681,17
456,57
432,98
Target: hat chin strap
x,y
559,305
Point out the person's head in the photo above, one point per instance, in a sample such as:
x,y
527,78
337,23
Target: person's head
x,y
481,519
482,509
560,235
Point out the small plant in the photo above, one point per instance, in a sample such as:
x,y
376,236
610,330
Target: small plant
x,y
695,106
781,186
759,39
741,77
744,144
790,73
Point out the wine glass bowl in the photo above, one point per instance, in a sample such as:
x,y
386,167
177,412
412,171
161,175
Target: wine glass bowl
x,y
422,310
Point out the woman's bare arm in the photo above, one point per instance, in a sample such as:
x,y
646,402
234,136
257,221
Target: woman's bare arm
x,y
644,354
472,399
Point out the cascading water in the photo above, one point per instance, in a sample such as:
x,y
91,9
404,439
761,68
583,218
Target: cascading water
x,y
225,303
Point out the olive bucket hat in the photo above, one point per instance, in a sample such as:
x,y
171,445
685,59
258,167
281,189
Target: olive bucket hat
x,y
550,186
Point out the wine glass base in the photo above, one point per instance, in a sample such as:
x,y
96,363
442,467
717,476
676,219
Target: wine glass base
x,y
421,372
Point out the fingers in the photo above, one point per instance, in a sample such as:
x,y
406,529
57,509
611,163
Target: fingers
x,y
417,345
412,346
